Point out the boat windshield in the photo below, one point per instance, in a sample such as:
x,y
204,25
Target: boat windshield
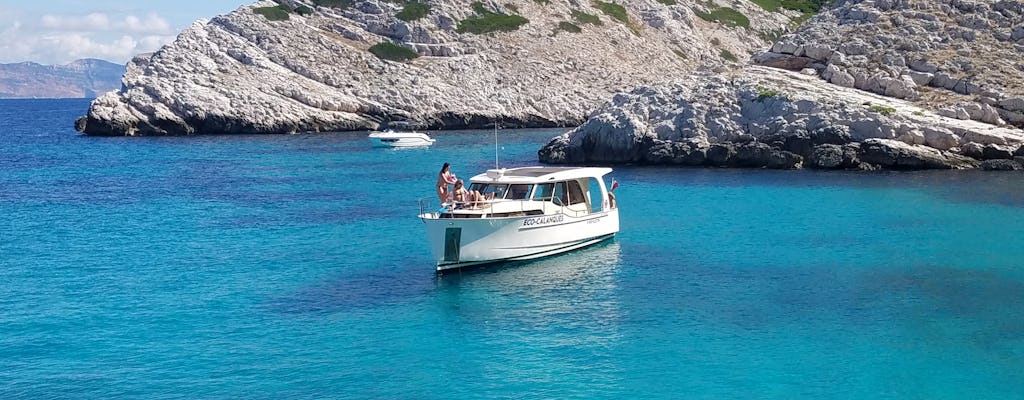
x,y
519,192
544,191
490,191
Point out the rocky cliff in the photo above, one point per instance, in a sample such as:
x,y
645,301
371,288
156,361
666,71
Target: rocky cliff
x,y
85,78
524,62
901,84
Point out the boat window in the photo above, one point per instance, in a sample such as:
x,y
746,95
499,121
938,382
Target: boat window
x,y
576,193
594,196
519,192
560,196
490,191
544,191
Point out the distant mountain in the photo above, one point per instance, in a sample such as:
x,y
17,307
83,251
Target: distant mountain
x,y
86,78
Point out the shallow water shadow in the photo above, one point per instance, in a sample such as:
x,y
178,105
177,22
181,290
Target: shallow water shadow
x,y
396,282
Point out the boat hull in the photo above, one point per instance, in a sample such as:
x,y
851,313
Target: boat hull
x,y
462,242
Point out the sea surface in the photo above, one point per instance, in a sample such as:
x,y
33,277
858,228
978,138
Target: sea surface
x,y
294,267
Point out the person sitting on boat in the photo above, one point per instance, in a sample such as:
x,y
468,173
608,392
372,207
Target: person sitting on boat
x,y
463,197
445,178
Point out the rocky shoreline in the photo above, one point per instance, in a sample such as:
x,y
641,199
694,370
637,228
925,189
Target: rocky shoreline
x,y
864,85
867,84
762,117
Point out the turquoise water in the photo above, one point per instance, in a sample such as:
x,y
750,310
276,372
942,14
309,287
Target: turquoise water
x,y
294,267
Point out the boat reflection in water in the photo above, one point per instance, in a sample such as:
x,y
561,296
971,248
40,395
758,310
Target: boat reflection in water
x,y
571,300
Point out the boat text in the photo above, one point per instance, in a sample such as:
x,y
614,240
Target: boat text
x,y
542,220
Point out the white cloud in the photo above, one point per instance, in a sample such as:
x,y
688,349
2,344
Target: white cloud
x,y
100,22
85,23
59,39
150,24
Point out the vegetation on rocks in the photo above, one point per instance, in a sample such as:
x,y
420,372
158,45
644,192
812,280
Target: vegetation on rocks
x,y
489,21
884,110
303,10
765,93
667,2
726,16
613,10
275,13
413,10
807,8
568,27
585,18
728,56
617,12
392,52
342,4
804,6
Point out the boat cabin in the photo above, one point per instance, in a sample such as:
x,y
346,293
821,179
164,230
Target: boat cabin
x,y
535,191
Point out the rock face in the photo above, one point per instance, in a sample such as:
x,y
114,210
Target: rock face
x,y
894,84
964,58
241,72
771,118
85,78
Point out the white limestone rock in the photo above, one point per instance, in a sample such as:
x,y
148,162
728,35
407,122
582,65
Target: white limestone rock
x,y
776,107
899,48
240,72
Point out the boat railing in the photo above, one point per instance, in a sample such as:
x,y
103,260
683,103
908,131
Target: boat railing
x,y
433,208
430,205
525,206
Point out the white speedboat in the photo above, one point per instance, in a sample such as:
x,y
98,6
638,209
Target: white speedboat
x,y
391,138
528,213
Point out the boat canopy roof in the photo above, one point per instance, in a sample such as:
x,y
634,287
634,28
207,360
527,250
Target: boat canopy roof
x,y
539,174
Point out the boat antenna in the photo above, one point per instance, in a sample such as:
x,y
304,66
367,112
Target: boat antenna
x,y
495,142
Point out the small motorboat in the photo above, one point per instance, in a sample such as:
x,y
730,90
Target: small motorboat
x,y
391,138
525,213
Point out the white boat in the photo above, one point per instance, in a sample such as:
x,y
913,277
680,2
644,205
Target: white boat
x,y
534,212
391,138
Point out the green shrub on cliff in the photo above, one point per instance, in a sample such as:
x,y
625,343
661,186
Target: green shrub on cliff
x,y
612,10
617,12
807,8
303,10
275,13
667,2
886,111
392,52
804,6
342,4
725,16
568,27
585,18
728,56
765,93
413,11
488,21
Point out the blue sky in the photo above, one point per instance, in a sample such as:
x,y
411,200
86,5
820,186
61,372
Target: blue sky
x,y
61,31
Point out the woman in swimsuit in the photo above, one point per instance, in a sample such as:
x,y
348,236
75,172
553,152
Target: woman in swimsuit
x,y
444,178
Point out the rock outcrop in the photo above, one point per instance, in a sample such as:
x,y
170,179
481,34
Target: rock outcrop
x,y
241,72
895,84
964,58
771,118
